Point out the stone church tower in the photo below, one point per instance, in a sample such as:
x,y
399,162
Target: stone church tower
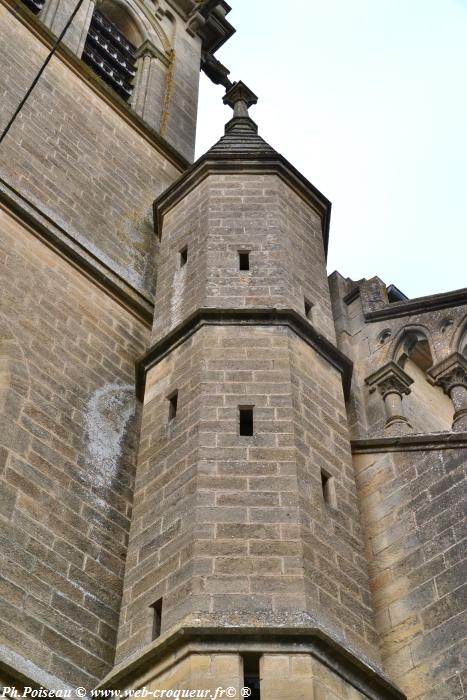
x,y
274,499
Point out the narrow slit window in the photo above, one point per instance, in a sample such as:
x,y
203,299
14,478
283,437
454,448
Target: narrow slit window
x,y
246,420
328,485
183,256
308,309
244,260
156,619
251,677
173,401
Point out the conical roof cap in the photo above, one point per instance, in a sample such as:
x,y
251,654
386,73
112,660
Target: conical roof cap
x,y
241,133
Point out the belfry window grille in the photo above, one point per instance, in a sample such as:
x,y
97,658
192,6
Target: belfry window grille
x,y
35,5
109,53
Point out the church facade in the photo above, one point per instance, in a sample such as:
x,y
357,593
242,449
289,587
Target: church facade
x,y
222,470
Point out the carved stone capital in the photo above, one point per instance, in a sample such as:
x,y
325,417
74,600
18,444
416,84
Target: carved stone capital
x,y
450,372
390,379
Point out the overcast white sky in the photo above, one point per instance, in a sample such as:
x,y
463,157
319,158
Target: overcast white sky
x,y
368,99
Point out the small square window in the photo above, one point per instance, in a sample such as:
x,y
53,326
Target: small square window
x,y
244,260
184,256
173,401
245,420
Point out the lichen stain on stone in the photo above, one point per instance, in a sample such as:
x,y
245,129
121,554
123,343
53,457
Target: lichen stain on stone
x,y
135,235
109,409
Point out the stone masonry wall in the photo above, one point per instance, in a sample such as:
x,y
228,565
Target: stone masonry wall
x,y
217,532
283,675
67,441
181,91
215,528
180,290
414,506
335,564
164,521
226,214
305,259
77,160
296,676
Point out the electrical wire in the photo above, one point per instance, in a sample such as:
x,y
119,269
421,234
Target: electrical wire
x,y
41,70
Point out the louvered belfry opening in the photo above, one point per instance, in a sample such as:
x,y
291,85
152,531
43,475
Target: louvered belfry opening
x,y
109,53
35,5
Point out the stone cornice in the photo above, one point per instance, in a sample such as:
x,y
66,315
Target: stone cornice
x,y
76,254
183,640
216,31
243,317
410,443
433,302
84,73
206,19
269,163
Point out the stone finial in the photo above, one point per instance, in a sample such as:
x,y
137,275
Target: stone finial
x,y
451,375
240,98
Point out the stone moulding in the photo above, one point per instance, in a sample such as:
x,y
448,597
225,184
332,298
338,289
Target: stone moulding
x,y
41,226
270,163
203,18
186,640
433,302
410,443
243,317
